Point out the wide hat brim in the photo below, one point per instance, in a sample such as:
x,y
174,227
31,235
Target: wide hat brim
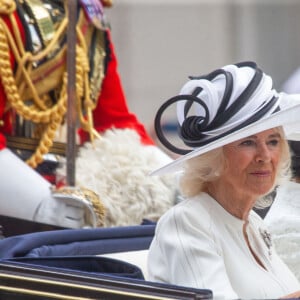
x,y
288,117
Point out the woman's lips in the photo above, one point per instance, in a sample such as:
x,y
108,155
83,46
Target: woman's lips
x,y
261,173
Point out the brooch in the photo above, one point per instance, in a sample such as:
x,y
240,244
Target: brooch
x,y
266,235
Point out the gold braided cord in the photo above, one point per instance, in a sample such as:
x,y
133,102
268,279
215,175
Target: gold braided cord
x,y
7,6
54,119
24,73
82,75
10,85
21,56
84,102
88,104
28,112
52,116
39,111
25,65
17,35
47,138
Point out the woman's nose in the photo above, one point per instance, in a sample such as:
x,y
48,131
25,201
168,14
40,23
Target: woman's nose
x,y
263,154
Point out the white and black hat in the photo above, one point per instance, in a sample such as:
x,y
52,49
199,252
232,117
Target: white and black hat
x,y
226,105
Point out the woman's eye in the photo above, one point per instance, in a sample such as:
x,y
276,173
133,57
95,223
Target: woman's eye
x,y
247,143
273,142
251,143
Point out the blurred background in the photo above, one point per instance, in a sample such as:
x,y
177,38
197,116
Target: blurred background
x,y
159,43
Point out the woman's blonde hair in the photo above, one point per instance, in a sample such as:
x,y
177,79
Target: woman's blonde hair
x,y
200,170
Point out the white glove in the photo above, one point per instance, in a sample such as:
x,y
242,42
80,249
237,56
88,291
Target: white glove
x,y
25,194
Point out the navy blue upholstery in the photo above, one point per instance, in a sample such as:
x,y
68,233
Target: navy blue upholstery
x,y
75,251
93,265
75,242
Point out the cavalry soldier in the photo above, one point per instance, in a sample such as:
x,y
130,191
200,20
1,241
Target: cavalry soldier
x,y
33,102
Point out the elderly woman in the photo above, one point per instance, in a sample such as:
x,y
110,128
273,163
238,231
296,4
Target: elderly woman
x,y
212,238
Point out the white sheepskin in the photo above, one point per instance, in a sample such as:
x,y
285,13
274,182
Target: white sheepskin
x,y
283,220
116,167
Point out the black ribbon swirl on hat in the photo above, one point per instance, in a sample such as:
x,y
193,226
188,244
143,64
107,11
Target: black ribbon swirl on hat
x,y
193,127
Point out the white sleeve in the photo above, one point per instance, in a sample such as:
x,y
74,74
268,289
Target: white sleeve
x,y
25,194
184,254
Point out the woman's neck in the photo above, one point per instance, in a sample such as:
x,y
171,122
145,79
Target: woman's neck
x,y
239,205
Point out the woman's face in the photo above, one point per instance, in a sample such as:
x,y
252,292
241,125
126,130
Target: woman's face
x,y
251,163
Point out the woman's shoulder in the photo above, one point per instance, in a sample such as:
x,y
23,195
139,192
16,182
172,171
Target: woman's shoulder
x,y
193,212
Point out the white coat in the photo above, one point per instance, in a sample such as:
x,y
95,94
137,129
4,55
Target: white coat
x,y
199,244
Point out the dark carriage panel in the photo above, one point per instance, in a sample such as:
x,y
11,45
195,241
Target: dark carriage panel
x,y
26,281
